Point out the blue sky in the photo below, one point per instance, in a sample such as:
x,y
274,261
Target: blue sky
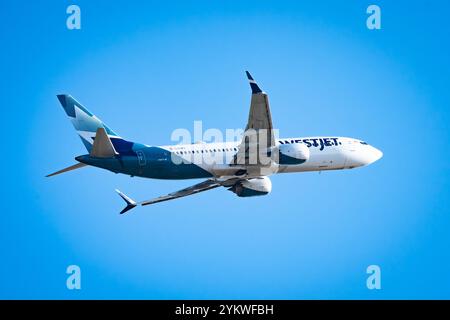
x,y
146,68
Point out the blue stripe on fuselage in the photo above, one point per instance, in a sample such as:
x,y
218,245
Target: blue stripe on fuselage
x,y
123,147
159,165
148,162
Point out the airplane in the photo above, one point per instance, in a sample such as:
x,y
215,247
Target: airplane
x,y
242,167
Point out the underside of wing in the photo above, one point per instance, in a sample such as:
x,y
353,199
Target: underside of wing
x,y
259,117
202,186
247,187
258,138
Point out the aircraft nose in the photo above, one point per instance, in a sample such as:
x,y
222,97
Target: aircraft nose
x,y
370,156
364,157
376,154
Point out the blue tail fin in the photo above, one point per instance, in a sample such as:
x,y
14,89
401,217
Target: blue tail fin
x,y
83,120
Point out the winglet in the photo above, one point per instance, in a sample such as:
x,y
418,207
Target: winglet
x,y
130,202
253,84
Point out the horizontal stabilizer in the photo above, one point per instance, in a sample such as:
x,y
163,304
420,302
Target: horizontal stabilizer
x,y
102,147
75,166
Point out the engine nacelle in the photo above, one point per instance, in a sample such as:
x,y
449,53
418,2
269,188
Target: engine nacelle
x,y
252,187
293,153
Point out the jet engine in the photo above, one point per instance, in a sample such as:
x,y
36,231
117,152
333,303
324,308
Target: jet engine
x,y
252,187
293,153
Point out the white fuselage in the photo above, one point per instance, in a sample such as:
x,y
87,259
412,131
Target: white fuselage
x,y
325,153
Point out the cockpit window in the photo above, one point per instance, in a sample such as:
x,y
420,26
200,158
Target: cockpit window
x,y
362,142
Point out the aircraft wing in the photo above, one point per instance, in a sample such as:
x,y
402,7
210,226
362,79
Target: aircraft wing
x,y
258,135
202,186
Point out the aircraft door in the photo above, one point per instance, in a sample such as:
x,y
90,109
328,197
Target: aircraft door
x,y
141,158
